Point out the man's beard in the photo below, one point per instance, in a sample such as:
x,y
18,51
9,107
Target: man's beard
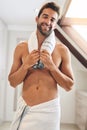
x,y
44,33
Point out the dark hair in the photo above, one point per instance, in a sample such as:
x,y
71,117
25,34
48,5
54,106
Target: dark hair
x,y
50,5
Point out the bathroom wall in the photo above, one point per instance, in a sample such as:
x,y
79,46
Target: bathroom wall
x,y
3,53
68,99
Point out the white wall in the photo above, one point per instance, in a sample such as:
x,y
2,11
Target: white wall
x,y
68,99
3,53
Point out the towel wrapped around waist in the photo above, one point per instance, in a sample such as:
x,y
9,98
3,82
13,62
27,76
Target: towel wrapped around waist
x,y
44,116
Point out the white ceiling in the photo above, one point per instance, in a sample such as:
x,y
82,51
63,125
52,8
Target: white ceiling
x,y
21,12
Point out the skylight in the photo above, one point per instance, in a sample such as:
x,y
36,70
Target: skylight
x,y
77,9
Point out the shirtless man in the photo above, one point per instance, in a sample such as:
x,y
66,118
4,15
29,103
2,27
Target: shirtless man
x,y
40,85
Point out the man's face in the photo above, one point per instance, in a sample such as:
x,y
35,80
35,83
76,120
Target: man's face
x,y
47,21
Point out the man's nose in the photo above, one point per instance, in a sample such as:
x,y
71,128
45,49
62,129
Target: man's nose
x,y
48,21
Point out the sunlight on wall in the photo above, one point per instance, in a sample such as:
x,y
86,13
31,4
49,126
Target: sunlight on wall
x,y
82,29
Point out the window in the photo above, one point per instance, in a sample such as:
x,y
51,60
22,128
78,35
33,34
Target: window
x,y
78,9
74,23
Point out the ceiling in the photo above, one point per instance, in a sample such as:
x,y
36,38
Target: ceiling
x,y
22,12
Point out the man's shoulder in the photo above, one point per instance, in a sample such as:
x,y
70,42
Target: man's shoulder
x,y
60,46
22,45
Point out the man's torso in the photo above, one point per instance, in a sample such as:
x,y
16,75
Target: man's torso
x,y
39,85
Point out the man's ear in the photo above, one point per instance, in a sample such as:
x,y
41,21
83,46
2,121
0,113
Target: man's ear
x,y
36,18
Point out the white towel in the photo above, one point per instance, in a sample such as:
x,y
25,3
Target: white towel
x,y
43,116
21,106
48,45
32,42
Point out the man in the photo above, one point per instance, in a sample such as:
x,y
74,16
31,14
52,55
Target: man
x,y
38,107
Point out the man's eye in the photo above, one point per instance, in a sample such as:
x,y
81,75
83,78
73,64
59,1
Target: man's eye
x,y
52,20
45,17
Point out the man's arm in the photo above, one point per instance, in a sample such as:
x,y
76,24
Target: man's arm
x,y
18,72
64,76
20,68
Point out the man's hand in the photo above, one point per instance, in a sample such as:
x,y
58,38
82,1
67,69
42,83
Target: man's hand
x,y
31,59
46,59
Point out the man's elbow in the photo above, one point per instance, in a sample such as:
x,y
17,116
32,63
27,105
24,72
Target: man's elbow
x,y
12,83
70,85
